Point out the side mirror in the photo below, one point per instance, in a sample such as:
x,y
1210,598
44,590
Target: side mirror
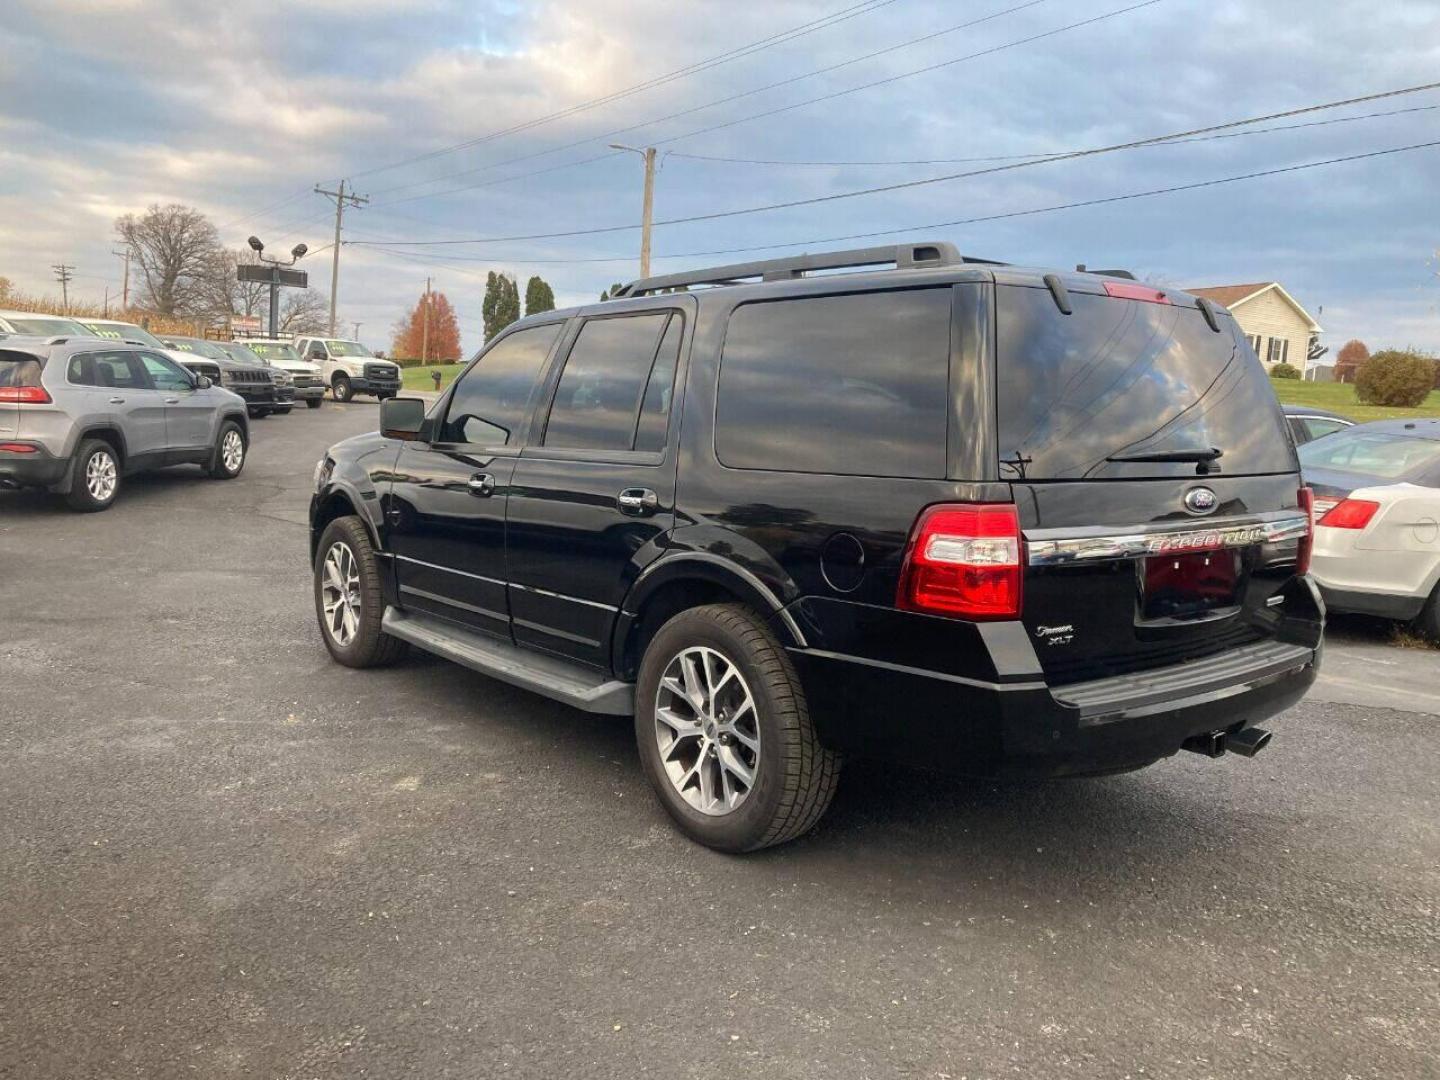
x,y
402,418
202,382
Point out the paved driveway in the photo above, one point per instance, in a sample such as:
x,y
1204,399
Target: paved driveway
x,y
224,856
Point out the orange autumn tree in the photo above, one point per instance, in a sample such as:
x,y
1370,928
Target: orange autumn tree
x,y
442,341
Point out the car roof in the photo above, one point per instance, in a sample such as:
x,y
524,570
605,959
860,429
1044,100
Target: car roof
x,y
1424,427
1306,410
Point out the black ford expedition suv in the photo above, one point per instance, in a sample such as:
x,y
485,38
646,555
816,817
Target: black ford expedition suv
x,y
956,513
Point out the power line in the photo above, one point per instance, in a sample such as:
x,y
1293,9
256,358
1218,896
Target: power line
x,y
912,229
803,29
837,196
763,89
1042,156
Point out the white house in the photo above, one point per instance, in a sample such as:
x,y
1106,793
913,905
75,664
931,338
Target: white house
x,y
1279,329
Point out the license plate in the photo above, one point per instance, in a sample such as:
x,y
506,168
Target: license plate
x,y
1190,583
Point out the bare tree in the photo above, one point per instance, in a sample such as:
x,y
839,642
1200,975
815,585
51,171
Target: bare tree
x,y
175,249
304,312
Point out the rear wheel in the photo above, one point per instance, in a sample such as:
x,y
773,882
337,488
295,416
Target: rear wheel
x,y
341,388
348,599
312,403
94,477
725,735
1428,621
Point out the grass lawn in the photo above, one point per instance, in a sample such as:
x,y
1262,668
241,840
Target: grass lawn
x,y
1340,398
418,378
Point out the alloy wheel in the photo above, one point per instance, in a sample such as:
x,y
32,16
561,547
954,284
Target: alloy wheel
x,y
101,476
708,730
340,594
232,451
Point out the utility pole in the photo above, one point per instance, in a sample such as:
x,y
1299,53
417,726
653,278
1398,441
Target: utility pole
x,y
357,331
63,273
647,205
425,333
125,289
342,199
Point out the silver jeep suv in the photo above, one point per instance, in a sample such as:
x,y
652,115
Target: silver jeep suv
x,y
78,414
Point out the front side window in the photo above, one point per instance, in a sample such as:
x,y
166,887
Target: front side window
x,y
491,401
856,385
165,374
598,399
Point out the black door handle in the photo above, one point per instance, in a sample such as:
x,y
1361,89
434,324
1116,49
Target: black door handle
x,y
637,502
481,485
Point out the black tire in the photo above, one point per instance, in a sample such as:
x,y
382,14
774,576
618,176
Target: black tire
x,y
1428,621
794,776
283,410
370,646
341,388
312,403
82,495
257,414
222,464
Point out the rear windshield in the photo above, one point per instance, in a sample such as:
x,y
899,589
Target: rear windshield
x,y
19,370
348,348
1372,453
1126,378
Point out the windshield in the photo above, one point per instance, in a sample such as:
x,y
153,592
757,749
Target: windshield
x,y
347,348
1371,453
123,331
46,325
271,351
1149,383
207,349
240,354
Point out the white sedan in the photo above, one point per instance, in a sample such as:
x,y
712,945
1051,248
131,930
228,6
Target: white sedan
x,y
1377,518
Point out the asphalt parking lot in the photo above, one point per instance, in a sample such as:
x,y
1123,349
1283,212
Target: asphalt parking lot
x,y
225,856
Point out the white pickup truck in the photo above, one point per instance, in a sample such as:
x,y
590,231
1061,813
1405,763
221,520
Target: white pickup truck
x,y
349,368
280,353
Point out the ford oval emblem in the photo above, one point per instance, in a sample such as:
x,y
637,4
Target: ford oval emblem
x,y
1201,500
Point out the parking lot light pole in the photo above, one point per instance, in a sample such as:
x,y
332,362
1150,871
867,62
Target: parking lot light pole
x,y
275,275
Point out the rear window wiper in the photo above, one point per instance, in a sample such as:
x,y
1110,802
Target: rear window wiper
x,y
1203,457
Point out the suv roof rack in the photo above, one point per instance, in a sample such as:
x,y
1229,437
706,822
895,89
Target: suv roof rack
x,y
1126,274
910,256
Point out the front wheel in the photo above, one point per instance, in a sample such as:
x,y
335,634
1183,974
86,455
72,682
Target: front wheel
x,y
228,458
725,735
348,599
312,403
342,389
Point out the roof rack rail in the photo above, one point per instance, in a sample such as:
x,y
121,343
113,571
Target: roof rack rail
x,y
902,256
1126,274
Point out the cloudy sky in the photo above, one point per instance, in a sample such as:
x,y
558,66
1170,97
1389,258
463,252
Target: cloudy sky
x,y
445,114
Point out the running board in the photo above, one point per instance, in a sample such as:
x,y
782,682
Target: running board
x,y
564,681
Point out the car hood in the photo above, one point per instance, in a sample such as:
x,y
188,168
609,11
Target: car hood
x,y
296,367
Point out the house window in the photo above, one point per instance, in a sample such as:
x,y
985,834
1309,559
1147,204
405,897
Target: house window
x,y
1279,350
1254,340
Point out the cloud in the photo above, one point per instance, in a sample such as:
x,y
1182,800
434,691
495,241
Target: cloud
x,y
241,109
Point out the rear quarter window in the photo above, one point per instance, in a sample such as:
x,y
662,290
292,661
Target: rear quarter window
x,y
1127,378
855,384
19,369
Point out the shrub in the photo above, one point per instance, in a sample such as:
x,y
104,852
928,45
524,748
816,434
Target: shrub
x,y
1395,377
1284,371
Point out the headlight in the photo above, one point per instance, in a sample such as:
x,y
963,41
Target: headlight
x,y
323,468
281,376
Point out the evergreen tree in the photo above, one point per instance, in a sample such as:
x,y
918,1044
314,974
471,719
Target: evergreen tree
x,y
501,306
538,296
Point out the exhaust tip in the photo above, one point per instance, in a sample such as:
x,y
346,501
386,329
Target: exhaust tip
x,y
1247,742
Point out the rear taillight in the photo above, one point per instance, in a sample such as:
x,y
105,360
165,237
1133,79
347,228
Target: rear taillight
x,y
16,448
1350,514
964,559
24,395
1307,543
1122,290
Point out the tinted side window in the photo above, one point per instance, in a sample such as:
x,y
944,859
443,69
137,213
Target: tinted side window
x,y
599,393
856,385
121,370
654,421
491,400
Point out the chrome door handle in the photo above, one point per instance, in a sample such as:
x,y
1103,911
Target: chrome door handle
x,y
117,401
481,485
637,501
172,401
